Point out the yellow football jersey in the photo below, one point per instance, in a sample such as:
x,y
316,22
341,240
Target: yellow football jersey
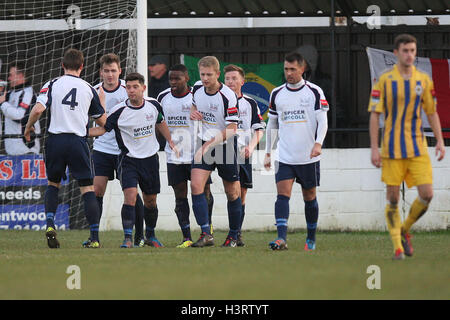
x,y
401,101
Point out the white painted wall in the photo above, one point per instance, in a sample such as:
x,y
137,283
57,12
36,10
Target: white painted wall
x,y
351,197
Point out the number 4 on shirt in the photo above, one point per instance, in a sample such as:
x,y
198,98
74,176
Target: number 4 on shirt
x,y
72,95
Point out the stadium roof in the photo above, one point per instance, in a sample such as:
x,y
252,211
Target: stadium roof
x,y
91,9
292,8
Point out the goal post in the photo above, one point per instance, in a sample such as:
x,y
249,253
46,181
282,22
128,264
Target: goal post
x,y
37,33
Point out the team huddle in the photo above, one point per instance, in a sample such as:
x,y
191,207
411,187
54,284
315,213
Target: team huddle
x,y
209,126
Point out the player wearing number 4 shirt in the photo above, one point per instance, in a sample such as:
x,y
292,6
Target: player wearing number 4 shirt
x,y
134,122
298,110
176,103
70,101
214,105
106,152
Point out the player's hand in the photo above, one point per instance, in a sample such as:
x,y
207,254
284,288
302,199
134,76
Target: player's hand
x,y
196,115
246,152
200,152
267,161
316,150
102,97
27,133
174,148
440,150
376,158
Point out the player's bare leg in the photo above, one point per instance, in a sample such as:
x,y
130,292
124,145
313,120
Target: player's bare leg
x,y
394,221
417,210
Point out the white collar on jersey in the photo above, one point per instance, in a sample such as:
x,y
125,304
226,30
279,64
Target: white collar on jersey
x,y
297,85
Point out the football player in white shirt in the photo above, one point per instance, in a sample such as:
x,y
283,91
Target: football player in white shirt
x,y
298,110
134,122
15,105
250,120
71,101
105,155
176,103
215,105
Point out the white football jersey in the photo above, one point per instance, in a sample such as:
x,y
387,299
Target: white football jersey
x,y
296,110
218,110
249,119
18,102
135,127
71,101
177,116
107,143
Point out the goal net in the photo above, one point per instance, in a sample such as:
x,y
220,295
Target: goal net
x,y
35,34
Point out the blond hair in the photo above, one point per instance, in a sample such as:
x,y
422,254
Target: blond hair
x,y
209,61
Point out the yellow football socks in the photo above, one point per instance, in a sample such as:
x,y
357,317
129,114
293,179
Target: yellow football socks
x,y
394,224
418,208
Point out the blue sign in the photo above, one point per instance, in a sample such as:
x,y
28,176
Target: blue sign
x,y
26,170
31,217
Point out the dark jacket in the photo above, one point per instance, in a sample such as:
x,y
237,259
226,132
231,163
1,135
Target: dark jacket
x,y
156,86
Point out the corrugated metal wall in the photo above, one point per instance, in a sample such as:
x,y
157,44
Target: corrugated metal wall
x,y
270,45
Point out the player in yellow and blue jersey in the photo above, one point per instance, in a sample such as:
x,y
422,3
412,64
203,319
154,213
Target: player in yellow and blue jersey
x,y
400,95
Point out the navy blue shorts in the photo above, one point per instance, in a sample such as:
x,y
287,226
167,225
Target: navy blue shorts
x,y
105,164
224,158
177,173
67,150
308,175
245,175
145,172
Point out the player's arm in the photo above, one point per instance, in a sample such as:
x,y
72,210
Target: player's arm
x,y
435,124
96,131
163,129
195,114
96,109
271,131
429,106
257,125
13,112
374,126
222,136
321,110
376,107
35,114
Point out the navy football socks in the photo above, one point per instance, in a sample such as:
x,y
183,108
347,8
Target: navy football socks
x,y
234,216
51,204
91,210
311,215
150,217
128,219
282,215
200,208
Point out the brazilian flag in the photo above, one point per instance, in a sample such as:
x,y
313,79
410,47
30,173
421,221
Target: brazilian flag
x,y
260,79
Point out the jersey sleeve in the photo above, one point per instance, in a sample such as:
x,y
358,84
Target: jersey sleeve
x,y
28,99
45,94
231,108
429,97
160,118
376,103
113,118
257,122
95,109
272,106
322,104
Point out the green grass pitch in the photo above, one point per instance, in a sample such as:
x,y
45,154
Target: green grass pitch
x,y
336,270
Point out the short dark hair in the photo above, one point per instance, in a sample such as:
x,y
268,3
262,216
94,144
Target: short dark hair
x,y
109,58
73,59
20,67
233,67
135,76
404,39
295,56
179,67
